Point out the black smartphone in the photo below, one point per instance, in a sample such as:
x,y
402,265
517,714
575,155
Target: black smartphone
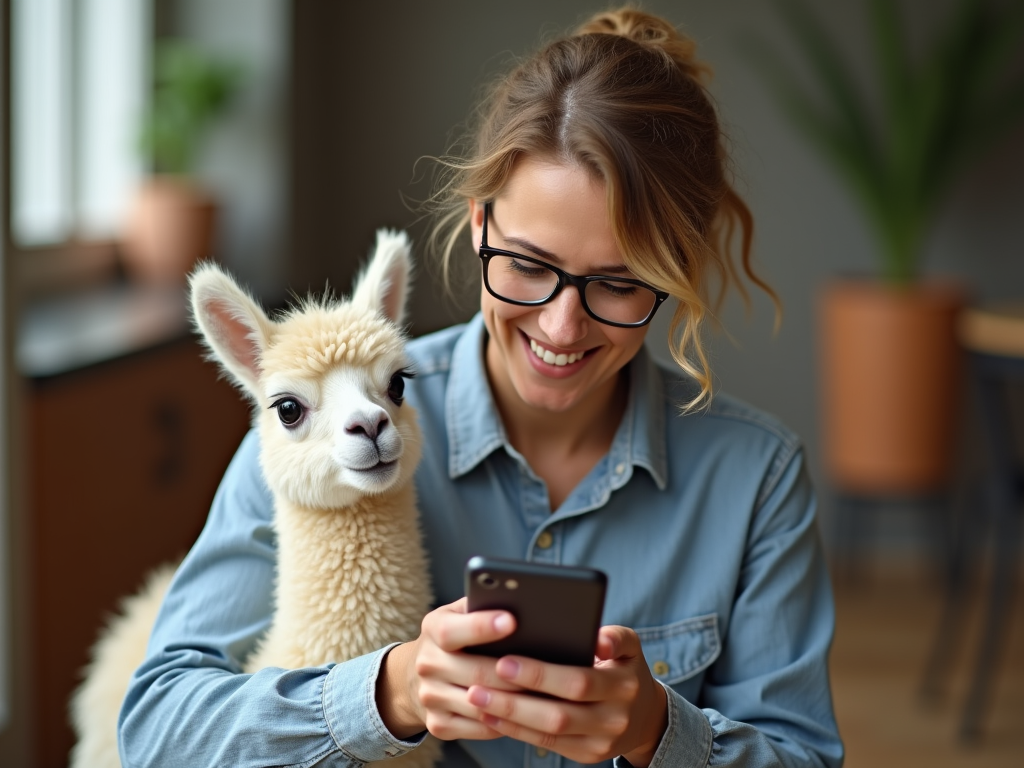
x,y
557,608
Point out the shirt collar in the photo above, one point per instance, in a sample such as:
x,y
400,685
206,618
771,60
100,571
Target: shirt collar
x,y
475,429
647,433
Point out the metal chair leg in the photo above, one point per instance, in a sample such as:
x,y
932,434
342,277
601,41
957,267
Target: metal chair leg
x,y
957,582
1006,497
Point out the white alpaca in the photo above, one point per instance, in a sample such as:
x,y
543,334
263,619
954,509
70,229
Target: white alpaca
x,y
338,450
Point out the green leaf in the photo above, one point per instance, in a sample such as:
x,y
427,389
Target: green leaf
x,y
853,155
897,84
1002,40
191,90
837,83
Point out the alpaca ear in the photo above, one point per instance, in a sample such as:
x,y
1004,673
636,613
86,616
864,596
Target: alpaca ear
x,y
234,327
383,286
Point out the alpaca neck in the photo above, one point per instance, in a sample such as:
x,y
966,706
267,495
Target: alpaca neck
x,y
351,580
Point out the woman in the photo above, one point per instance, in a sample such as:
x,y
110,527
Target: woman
x,y
596,189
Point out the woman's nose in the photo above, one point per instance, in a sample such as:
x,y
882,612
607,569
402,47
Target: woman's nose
x,y
563,320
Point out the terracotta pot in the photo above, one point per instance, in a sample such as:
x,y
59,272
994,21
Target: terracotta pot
x,y
892,378
170,226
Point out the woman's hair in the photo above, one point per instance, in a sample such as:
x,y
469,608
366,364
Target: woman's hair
x,y
624,98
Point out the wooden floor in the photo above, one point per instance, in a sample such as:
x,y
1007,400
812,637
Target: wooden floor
x,y
884,629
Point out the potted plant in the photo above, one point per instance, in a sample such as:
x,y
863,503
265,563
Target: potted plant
x,y
890,361
172,219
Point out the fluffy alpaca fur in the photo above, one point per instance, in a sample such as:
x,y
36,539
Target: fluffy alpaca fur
x,y
351,573
119,650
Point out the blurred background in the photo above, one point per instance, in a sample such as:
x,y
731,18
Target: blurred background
x,y
277,136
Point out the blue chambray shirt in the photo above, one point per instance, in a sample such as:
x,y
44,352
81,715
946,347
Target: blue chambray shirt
x,y
704,523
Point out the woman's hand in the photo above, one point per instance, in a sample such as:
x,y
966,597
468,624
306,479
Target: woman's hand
x,y
423,684
614,708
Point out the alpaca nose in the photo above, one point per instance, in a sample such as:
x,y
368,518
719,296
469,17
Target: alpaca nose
x,y
367,424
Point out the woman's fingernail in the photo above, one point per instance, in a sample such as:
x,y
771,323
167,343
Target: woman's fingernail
x,y
503,622
507,668
479,697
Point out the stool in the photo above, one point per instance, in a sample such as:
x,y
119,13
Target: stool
x,y
994,341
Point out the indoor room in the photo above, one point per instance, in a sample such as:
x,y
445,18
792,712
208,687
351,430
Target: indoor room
x,y
878,329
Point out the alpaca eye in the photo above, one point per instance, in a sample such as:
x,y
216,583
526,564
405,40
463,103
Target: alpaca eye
x,y
288,411
396,388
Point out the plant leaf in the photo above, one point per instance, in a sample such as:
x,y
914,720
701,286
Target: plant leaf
x,y
838,84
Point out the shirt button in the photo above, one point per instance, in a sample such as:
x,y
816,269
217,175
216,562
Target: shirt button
x,y
660,668
620,468
545,540
541,752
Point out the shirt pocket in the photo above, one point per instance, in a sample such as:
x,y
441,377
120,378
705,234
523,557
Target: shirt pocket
x,y
678,651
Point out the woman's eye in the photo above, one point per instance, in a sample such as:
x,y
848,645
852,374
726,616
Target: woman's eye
x,y
618,290
289,411
526,269
396,387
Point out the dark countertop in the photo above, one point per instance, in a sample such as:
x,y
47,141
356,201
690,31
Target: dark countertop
x,y
64,334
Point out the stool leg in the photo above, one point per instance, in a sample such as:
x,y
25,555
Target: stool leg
x,y
1007,532
957,583
849,530
1005,501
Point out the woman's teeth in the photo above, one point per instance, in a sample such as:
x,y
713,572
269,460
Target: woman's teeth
x,y
551,358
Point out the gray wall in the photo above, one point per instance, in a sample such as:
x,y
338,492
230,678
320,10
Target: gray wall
x,y
377,86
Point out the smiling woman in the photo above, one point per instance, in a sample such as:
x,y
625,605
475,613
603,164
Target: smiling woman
x,y
596,187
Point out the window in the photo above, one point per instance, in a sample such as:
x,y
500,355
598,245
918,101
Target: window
x,y
79,82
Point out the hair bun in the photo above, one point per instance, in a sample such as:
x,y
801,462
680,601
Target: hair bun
x,y
652,31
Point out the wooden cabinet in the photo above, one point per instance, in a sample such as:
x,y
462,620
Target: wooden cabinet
x,y
125,457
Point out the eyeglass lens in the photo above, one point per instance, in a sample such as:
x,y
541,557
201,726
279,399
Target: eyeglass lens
x,y
609,299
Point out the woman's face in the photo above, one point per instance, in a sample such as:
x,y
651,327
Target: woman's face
x,y
557,213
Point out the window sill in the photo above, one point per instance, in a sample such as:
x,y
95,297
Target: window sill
x,y
66,268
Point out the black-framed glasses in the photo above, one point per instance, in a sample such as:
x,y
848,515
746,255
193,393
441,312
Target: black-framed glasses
x,y
517,279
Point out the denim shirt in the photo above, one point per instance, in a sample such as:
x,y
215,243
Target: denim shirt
x,y
704,523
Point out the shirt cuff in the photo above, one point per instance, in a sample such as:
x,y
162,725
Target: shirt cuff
x,y
688,738
350,707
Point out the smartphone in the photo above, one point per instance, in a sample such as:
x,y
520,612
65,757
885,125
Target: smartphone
x,y
557,608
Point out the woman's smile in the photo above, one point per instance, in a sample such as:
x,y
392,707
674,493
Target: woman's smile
x,y
549,360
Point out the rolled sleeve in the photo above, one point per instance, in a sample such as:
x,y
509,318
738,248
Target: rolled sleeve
x,y
688,738
354,720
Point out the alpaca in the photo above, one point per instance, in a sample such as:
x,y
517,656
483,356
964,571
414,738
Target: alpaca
x,y
338,450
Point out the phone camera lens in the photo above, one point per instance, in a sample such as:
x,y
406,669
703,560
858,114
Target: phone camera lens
x,y
486,581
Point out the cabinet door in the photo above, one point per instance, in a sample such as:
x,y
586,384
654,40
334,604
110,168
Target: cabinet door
x,y
125,459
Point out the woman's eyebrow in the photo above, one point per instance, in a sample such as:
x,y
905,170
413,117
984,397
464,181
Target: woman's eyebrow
x,y
536,250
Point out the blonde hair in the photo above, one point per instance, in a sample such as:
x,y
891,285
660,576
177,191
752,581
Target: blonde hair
x,y
625,98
